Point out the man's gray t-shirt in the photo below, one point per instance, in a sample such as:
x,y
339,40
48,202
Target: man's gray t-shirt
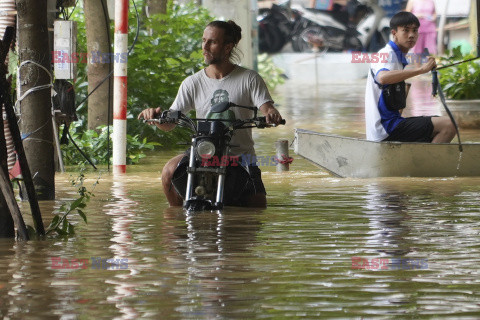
x,y
242,86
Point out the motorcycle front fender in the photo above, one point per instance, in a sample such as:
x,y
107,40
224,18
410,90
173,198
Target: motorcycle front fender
x,y
236,180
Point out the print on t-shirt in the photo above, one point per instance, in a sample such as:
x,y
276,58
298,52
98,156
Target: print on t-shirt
x,y
219,95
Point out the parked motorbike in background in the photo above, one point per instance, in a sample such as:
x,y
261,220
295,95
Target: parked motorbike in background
x,y
276,25
359,27
211,178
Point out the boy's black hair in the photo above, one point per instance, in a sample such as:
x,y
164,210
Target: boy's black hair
x,y
403,18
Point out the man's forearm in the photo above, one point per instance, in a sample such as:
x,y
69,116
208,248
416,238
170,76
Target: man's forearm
x,y
264,108
166,126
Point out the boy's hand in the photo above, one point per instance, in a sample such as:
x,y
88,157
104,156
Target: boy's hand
x,y
429,65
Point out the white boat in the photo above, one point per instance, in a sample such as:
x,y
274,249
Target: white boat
x,y
358,158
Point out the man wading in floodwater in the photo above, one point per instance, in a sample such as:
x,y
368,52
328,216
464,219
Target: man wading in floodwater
x,y
383,118
220,80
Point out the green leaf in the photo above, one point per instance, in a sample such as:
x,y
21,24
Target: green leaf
x,y
82,215
76,204
54,223
61,232
65,226
461,81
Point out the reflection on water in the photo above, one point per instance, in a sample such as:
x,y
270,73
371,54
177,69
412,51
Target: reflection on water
x,y
122,212
387,211
210,248
291,260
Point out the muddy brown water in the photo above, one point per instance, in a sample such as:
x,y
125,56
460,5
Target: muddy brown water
x,y
324,248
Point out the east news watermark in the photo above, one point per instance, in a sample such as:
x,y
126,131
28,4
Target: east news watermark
x,y
99,263
384,57
400,263
63,56
245,160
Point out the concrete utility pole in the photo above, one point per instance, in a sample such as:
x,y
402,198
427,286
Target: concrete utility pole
x,y
35,89
97,24
120,89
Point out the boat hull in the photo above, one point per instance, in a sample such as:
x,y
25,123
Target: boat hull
x,y
358,158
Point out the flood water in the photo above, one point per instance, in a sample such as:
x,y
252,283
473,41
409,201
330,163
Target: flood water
x,y
324,248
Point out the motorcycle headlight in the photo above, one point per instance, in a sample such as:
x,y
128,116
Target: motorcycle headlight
x,y
205,149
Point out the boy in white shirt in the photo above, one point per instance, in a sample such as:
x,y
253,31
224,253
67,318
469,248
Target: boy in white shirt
x,y
383,123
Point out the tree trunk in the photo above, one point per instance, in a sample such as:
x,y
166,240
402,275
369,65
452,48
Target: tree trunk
x,y
156,6
97,24
36,107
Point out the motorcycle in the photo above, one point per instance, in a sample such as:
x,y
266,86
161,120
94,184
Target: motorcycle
x,y
359,28
210,178
276,25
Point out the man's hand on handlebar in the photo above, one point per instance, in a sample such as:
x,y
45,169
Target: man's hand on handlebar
x,y
154,113
272,116
150,113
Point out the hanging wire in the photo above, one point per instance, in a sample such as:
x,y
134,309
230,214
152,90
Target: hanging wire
x,y
33,89
80,150
26,136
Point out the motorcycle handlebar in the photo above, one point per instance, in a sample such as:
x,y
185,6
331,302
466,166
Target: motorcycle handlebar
x,y
159,121
165,117
282,122
262,123
175,117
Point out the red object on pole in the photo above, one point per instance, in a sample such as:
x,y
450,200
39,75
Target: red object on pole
x,y
120,88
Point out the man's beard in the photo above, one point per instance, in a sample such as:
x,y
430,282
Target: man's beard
x,y
213,60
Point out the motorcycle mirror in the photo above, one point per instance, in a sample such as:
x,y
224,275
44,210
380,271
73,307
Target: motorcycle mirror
x,y
220,107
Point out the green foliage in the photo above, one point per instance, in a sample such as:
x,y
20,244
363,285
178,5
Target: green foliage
x,y
94,144
461,81
161,61
60,224
168,50
272,74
